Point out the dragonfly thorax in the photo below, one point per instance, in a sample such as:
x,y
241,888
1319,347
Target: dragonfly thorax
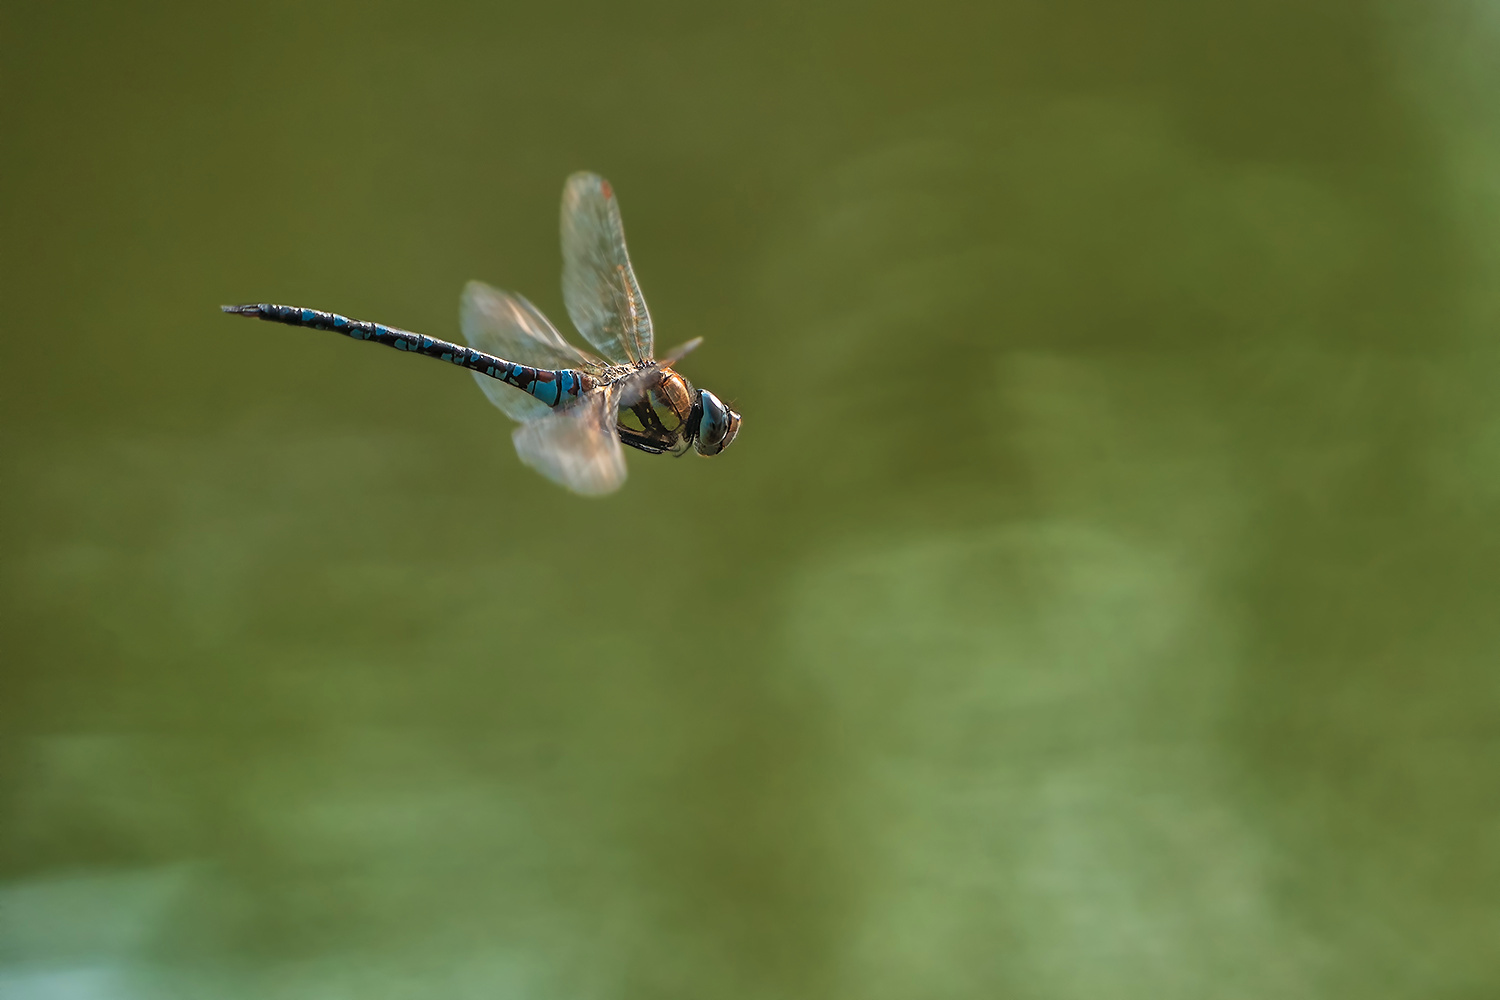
x,y
661,421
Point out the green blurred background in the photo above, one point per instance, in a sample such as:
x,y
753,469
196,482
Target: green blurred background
x,y
1100,601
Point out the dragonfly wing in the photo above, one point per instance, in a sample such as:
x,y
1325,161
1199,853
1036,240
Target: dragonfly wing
x,y
513,402
509,327
576,446
679,352
599,286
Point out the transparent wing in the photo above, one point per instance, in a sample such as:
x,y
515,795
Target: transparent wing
x,y
576,446
679,352
599,287
509,327
513,402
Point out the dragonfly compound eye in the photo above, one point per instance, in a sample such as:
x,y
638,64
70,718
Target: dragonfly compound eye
x,y
717,425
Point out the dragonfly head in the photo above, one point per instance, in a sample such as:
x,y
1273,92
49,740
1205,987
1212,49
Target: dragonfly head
x,y
715,424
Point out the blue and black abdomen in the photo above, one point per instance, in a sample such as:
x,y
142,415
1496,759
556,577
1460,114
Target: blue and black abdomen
x,y
552,387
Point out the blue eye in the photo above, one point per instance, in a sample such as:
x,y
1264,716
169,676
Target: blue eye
x,y
717,425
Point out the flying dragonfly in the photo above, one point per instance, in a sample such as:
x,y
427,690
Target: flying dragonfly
x,y
575,408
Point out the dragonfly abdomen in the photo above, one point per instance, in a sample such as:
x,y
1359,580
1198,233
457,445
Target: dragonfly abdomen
x,y
552,386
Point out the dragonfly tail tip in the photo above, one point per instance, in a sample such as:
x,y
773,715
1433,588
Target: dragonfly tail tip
x,y
241,310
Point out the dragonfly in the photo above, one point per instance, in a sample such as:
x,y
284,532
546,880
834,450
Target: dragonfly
x,y
575,408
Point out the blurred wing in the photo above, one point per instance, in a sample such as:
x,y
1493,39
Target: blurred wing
x,y
599,287
679,352
509,327
576,446
516,404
